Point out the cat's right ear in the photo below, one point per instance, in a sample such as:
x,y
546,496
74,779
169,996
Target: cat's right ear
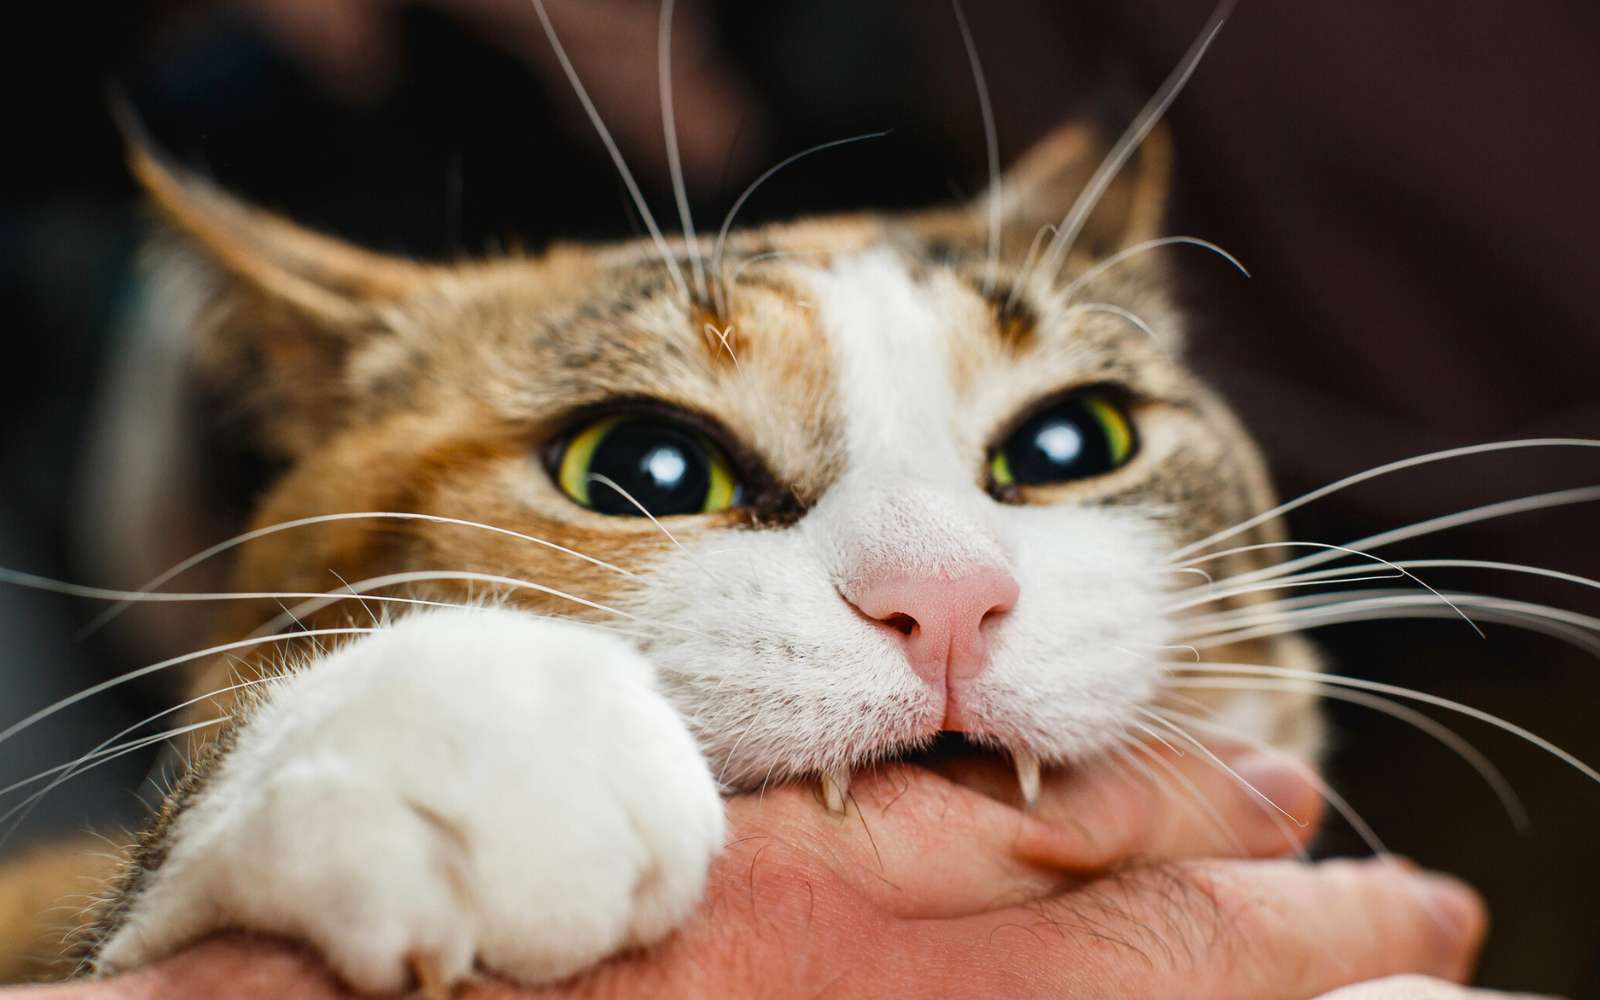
x,y
275,312
1044,187
1051,182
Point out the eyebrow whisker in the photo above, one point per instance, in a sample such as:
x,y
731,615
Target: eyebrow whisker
x,y
991,142
612,149
744,196
669,126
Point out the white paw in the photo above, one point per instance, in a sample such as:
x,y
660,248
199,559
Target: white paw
x,y
473,787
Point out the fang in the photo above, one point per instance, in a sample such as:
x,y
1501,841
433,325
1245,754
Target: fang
x,y
834,786
1027,764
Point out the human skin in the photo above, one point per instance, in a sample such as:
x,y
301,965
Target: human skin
x,y
1117,884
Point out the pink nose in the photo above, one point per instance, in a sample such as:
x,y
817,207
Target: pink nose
x,y
940,619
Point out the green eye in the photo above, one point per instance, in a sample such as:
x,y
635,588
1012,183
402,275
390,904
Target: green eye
x,y
665,467
1085,434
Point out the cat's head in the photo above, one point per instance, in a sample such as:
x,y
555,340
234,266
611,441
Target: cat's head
x,y
901,478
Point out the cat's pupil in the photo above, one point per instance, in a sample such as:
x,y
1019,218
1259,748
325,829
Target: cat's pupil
x,y
665,469
1073,439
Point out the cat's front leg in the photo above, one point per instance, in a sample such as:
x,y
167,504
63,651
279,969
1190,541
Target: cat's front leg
x,y
469,787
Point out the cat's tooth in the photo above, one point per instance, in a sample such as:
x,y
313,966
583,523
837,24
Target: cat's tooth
x,y
834,786
1027,764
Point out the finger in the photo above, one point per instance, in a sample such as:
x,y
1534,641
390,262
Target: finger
x,y
1236,929
230,966
920,844
1166,803
910,841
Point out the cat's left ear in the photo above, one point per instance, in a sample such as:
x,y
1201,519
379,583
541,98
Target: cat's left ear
x,y
276,314
328,278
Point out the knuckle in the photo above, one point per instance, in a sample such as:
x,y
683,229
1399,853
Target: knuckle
x,y
1258,935
1169,919
768,883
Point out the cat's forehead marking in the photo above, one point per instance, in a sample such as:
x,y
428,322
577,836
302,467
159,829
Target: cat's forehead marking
x,y
894,338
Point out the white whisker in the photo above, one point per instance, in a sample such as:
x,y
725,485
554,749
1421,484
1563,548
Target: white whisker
x,y
1491,775
145,671
1187,648
302,522
1078,215
511,582
611,148
1339,550
105,751
1373,473
1488,512
1152,734
769,255
1195,795
1218,762
88,762
1309,580
1190,790
991,143
1504,508
47,584
364,605
1117,258
1029,259
1125,756
100,753
1340,805
1341,575
1127,315
1300,613
605,480
724,339
1529,623
669,126
744,196
1256,670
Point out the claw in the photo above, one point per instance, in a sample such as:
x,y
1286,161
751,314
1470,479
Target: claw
x,y
1027,764
430,984
834,786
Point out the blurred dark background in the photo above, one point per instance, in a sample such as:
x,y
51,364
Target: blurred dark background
x,y
1412,186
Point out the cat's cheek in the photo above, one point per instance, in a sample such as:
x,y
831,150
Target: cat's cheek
x,y
469,787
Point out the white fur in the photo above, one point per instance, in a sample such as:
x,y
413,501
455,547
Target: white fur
x,y
469,784
782,677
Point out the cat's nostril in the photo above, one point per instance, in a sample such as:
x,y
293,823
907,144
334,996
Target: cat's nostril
x,y
902,623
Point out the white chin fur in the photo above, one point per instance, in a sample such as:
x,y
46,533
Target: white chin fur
x,y
780,677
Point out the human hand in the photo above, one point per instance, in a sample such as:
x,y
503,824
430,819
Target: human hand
x,y
925,887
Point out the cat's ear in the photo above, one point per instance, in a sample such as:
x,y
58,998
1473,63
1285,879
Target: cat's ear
x,y
1045,185
275,312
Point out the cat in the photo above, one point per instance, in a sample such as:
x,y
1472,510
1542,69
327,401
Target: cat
x,y
779,509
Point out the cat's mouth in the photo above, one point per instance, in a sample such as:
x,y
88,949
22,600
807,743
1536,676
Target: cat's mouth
x,y
1009,776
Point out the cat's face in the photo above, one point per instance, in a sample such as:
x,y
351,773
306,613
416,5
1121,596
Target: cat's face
x,y
898,488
